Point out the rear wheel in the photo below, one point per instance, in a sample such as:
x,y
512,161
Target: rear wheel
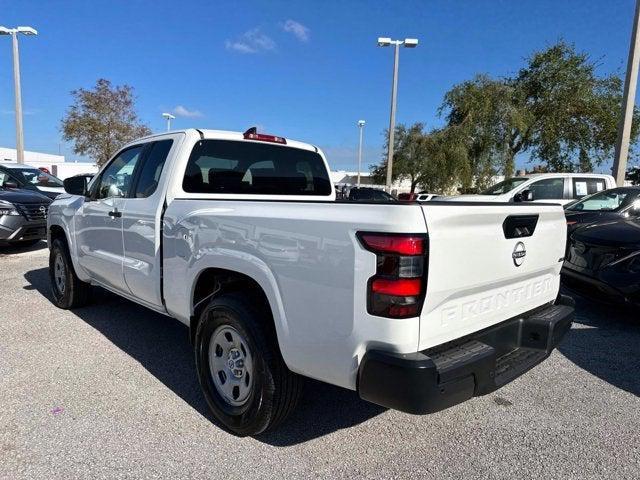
x,y
243,377
67,289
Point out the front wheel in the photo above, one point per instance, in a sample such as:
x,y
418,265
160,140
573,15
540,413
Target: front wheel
x,y
67,289
243,377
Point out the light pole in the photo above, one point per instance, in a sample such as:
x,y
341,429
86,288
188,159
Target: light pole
x,y
361,128
169,117
385,42
16,80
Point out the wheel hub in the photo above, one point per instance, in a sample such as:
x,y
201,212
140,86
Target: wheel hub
x,y
59,273
235,362
231,365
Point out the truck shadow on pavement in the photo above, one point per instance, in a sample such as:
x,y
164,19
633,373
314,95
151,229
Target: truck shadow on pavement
x,y
161,345
605,341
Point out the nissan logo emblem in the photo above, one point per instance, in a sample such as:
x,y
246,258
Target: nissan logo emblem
x,y
519,252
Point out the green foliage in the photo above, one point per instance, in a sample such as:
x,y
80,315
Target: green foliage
x,y
408,155
101,120
433,160
556,108
633,175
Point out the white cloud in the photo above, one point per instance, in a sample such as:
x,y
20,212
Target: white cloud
x,y
252,41
181,111
301,32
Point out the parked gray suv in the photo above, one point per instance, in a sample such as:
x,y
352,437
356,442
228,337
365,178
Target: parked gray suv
x,y
23,216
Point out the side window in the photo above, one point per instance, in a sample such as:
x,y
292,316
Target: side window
x,y
116,178
152,169
548,189
587,186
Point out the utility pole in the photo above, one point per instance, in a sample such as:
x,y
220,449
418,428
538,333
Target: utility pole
x,y
361,127
628,103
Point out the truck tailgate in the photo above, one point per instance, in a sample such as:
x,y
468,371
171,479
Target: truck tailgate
x,y
478,277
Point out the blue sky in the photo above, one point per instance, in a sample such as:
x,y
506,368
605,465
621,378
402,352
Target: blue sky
x,y
306,70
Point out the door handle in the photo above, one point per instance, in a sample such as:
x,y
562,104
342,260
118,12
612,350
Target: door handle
x,y
115,214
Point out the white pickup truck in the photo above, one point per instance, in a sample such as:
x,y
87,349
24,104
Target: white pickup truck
x,y
415,306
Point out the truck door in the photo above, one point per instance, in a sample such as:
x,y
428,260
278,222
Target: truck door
x,y
99,221
141,223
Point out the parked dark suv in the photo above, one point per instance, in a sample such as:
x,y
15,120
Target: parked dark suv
x,y
23,216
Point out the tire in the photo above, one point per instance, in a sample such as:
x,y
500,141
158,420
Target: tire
x,y
67,289
258,392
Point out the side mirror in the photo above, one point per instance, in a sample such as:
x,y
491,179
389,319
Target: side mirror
x,y
76,185
523,196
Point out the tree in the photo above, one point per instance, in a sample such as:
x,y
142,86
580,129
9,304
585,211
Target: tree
x,y
446,163
101,120
484,115
434,161
408,155
633,175
556,108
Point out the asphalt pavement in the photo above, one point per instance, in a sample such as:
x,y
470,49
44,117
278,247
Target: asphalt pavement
x,y
110,391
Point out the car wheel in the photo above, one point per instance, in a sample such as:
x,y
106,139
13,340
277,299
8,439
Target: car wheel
x,y
67,289
241,371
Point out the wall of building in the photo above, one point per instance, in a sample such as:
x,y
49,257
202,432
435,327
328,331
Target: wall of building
x,y
55,164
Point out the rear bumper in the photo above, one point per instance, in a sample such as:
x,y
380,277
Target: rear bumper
x,y
438,378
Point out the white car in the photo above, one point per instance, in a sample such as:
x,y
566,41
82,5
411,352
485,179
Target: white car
x,y
559,188
415,306
30,178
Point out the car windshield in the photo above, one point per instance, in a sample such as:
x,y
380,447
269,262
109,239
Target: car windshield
x,y
607,201
36,177
504,186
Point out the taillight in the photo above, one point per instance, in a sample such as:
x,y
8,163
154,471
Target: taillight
x,y
252,134
398,288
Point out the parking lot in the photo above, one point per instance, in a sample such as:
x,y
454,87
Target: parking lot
x,y
110,391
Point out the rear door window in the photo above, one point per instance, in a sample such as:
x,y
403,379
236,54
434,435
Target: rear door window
x,y
587,186
227,166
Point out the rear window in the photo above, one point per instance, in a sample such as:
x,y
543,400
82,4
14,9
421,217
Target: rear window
x,y
227,166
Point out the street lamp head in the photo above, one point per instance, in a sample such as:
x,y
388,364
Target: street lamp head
x,y
27,30
410,42
168,116
361,123
384,41
5,31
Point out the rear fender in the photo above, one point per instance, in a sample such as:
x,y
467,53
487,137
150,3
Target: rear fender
x,y
257,270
